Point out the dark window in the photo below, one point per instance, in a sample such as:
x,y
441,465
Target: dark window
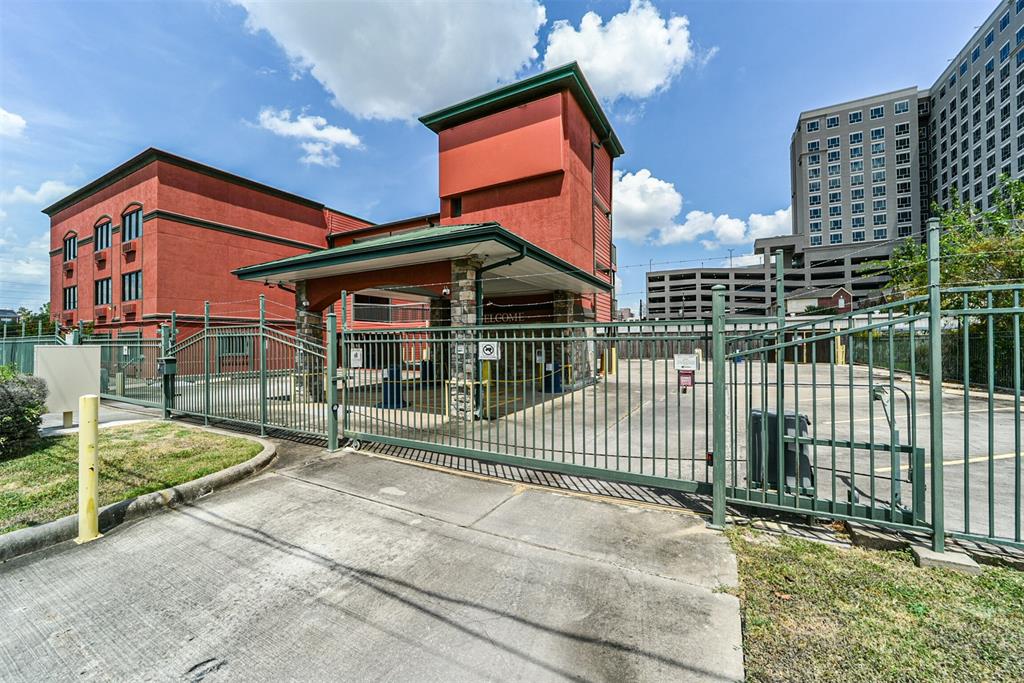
x,y
131,286
131,225
70,298
70,248
101,238
456,206
103,292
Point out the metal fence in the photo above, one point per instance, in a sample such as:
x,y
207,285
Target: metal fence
x,y
128,368
546,396
20,351
253,375
843,417
965,352
847,416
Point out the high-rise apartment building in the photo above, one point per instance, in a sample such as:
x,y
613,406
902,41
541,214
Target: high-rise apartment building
x,y
865,173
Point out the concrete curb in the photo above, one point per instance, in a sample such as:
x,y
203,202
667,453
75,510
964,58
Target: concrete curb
x,y
24,541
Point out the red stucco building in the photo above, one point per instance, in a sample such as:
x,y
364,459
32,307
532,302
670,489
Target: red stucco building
x,y
525,171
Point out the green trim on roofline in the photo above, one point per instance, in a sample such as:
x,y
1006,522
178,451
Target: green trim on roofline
x,y
568,76
426,239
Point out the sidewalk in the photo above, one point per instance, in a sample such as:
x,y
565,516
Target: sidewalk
x,y
354,567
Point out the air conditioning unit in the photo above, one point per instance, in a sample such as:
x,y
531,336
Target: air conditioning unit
x,y
100,256
128,247
101,313
68,318
128,309
69,269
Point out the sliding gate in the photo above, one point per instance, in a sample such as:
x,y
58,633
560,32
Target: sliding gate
x,y
602,400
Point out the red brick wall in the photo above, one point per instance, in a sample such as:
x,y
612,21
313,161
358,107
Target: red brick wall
x,y
183,263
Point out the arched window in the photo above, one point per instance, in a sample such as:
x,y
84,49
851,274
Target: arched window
x,y
70,247
101,234
131,223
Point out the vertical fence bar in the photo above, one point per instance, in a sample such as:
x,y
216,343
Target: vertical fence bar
x,y
780,376
332,381
344,364
165,345
935,385
206,362
718,389
263,364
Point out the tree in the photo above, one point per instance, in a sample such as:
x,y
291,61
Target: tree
x,y
33,318
974,249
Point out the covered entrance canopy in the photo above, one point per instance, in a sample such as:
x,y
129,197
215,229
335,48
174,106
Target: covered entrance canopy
x,y
428,262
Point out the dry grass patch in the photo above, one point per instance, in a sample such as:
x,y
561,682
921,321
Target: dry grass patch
x,y
812,612
42,484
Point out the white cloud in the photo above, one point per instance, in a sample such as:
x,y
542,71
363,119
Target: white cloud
x,y
778,223
635,54
647,208
25,267
317,137
717,229
643,204
48,191
395,60
741,260
11,125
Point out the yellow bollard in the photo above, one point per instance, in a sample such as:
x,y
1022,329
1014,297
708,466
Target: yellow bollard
x,y
88,468
613,360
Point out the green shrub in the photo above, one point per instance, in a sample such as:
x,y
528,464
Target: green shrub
x,y
22,404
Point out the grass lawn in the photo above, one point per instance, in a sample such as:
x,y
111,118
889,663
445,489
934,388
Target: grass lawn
x,y
812,612
42,485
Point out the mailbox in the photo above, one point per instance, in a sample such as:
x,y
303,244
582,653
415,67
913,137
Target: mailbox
x,y
686,379
167,365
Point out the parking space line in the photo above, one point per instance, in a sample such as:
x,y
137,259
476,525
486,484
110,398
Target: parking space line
x,y
947,463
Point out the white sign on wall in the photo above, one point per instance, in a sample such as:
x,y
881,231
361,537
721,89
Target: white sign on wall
x,y
686,361
355,357
489,350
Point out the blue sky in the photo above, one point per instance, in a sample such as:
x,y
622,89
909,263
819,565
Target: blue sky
x,y
707,108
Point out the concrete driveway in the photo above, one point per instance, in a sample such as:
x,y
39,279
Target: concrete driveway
x,y
351,567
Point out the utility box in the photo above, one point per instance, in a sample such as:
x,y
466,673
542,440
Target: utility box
x,y
69,372
762,435
552,378
392,397
167,365
686,380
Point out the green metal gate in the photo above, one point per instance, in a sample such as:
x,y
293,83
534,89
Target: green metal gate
x,y
600,400
906,415
252,375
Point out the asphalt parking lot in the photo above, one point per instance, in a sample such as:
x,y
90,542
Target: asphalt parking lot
x,y
354,567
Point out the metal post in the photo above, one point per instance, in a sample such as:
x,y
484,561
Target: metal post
x,y
88,464
935,385
780,374
164,349
718,403
206,362
332,381
344,364
174,327
263,365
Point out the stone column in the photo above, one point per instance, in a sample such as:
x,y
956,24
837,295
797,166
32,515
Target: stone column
x,y
462,366
309,367
568,308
